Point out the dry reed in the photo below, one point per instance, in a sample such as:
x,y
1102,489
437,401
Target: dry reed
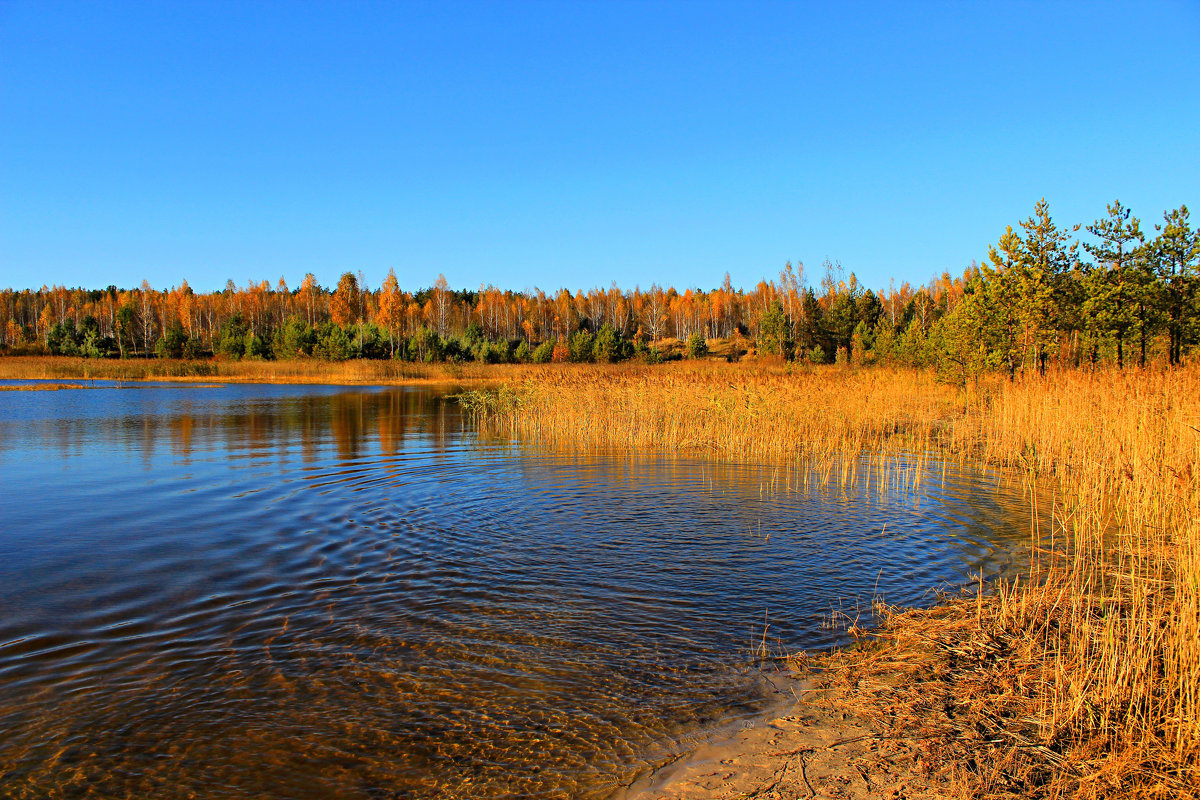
x,y
43,387
1083,678
355,371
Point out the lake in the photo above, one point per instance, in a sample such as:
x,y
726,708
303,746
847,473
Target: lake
x,y
316,591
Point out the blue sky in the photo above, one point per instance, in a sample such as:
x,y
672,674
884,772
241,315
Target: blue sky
x,y
574,144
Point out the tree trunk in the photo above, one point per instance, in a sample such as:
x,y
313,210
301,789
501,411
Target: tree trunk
x,y
1142,347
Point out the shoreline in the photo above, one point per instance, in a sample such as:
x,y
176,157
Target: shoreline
x,y
852,729
299,372
819,746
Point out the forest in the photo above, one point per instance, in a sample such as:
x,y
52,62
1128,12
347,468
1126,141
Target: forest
x,y
1120,294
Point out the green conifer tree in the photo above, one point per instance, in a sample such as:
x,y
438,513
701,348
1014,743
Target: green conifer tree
x,y
1047,259
1112,284
1175,254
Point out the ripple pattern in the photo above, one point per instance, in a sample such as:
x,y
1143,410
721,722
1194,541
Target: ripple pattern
x,y
316,592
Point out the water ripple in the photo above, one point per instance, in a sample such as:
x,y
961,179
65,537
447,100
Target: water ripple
x,y
327,592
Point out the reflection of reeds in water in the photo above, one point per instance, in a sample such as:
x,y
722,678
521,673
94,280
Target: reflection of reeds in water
x,y
1083,679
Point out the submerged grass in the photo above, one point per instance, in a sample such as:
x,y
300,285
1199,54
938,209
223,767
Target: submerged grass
x,y
1082,678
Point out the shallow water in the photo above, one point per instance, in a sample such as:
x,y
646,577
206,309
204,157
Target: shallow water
x,y
313,592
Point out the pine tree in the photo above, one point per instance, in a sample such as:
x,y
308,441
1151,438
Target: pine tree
x,y
1175,254
1048,257
1112,285
960,346
774,331
999,304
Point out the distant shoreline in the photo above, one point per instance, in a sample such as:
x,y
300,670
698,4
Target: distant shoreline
x,y
381,372
298,371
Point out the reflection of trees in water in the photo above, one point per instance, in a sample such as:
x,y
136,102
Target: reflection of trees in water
x,y
392,416
346,424
181,438
390,426
354,422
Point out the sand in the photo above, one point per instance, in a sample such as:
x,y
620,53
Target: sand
x,y
821,746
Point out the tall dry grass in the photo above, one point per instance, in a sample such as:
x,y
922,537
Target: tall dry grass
x,y
1084,678
1112,635
726,411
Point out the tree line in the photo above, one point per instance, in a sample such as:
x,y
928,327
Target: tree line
x,y
1121,294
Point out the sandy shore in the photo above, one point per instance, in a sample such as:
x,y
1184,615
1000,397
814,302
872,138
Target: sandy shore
x,y
822,746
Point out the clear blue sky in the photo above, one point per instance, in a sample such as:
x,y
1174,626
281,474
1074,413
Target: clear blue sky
x,y
564,143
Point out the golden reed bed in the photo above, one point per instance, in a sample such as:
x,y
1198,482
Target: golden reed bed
x,y
1080,680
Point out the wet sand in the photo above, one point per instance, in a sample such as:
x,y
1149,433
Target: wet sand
x,y
822,746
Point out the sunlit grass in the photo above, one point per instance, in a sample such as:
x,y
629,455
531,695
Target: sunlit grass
x,y
356,371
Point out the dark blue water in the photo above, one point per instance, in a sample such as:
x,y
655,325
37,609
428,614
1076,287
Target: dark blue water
x,y
312,592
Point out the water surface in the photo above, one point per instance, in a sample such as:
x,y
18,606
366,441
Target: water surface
x,y
315,592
